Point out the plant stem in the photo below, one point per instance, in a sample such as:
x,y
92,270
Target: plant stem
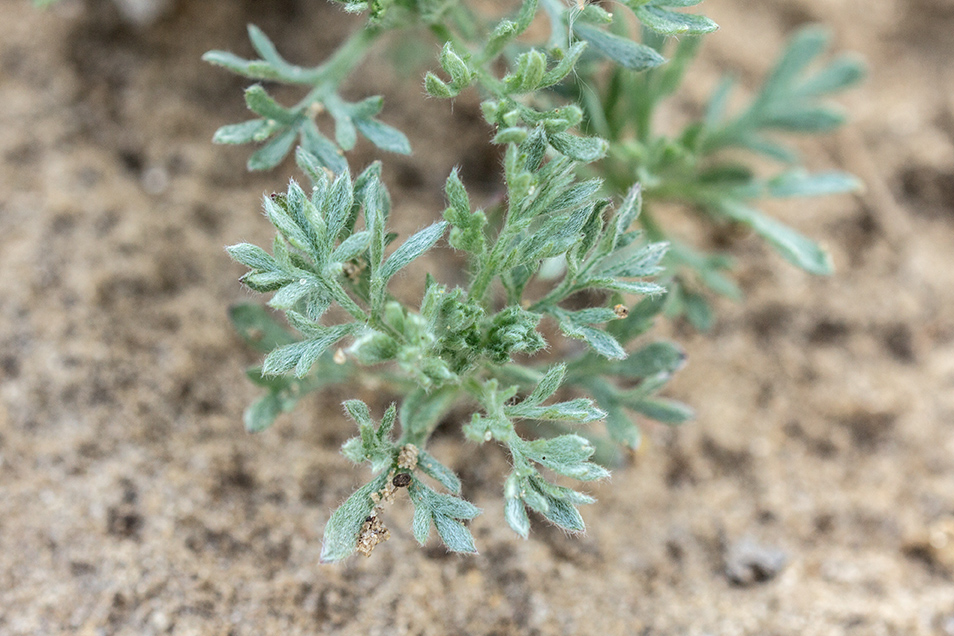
x,y
555,10
488,268
328,76
349,55
557,294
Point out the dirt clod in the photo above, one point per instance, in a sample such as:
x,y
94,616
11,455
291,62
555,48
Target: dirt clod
x,y
373,532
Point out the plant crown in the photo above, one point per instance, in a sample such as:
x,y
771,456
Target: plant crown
x,y
574,112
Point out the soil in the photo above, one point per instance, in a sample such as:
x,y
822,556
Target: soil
x,y
813,495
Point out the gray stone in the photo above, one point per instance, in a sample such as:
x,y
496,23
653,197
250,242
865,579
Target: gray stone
x,y
748,562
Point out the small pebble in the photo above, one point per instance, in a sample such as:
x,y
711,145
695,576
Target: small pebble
x,y
142,12
155,180
748,562
934,545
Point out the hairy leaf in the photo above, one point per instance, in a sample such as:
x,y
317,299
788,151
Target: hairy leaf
x,y
383,136
673,23
272,153
243,133
258,328
302,355
414,247
342,529
626,53
794,247
803,184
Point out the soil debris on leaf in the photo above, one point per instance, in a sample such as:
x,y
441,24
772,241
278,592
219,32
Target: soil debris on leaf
x,y
373,532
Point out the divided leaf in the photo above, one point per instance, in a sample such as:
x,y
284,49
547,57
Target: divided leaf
x,y
656,357
438,471
273,152
667,22
344,525
384,136
565,455
547,386
802,184
526,488
300,356
414,247
794,247
625,52
446,512
598,340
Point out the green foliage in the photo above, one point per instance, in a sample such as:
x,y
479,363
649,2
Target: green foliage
x,y
574,250
260,330
458,343
277,128
692,167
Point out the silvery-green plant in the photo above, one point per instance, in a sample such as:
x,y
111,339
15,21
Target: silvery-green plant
x,y
575,244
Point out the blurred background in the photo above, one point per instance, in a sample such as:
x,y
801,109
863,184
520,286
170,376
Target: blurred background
x,y
813,495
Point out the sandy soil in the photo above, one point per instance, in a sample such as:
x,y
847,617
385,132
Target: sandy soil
x,y
131,501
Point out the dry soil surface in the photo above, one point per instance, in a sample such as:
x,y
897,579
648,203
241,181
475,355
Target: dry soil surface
x,y
132,501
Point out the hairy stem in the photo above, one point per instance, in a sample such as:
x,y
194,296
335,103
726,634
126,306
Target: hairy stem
x,y
327,77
